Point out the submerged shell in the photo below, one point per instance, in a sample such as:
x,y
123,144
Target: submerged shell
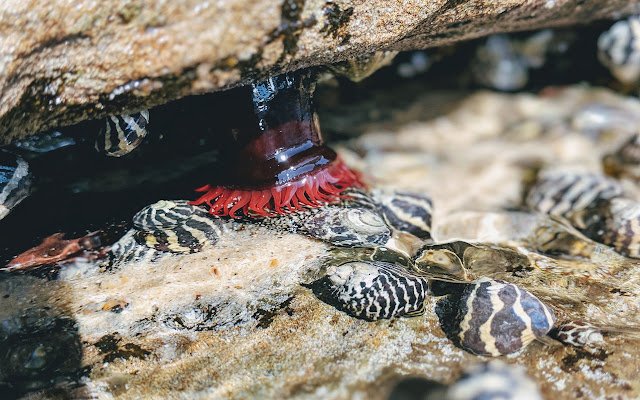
x,y
122,133
440,260
619,50
496,318
577,333
15,181
375,290
568,194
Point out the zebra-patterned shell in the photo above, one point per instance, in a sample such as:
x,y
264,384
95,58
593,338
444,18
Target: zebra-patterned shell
x,y
494,380
406,212
15,181
577,333
619,50
374,290
497,318
122,133
620,226
567,194
175,226
625,162
339,225
127,250
165,214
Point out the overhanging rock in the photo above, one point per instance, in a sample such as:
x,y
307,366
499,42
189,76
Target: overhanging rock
x,y
62,62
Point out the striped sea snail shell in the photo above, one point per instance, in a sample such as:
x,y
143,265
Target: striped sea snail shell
x,y
122,133
373,290
363,220
336,224
567,194
618,226
577,333
15,181
175,226
405,211
167,226
624,162
493,318
619,50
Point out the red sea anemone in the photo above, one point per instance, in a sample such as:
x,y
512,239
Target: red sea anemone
x,y
280,164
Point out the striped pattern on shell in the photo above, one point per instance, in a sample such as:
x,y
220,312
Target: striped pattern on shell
x,y
498,318
566,194
340,225
15,181
577,333
122,133
619,50
375,290
167,226
624,162
622,227
165,214
406,212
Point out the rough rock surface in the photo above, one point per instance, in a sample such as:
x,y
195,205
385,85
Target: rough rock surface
x,y
62,62
234,321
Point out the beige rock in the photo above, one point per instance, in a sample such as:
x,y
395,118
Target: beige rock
x,y
62,62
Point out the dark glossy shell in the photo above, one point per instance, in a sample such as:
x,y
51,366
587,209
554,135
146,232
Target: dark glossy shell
x,y
15,181
374,290
497,318
122,133
619,50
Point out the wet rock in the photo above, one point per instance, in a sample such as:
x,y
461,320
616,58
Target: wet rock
x,y
62,63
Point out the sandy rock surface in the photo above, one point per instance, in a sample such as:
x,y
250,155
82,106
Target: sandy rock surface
x,y
62,62
236,320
